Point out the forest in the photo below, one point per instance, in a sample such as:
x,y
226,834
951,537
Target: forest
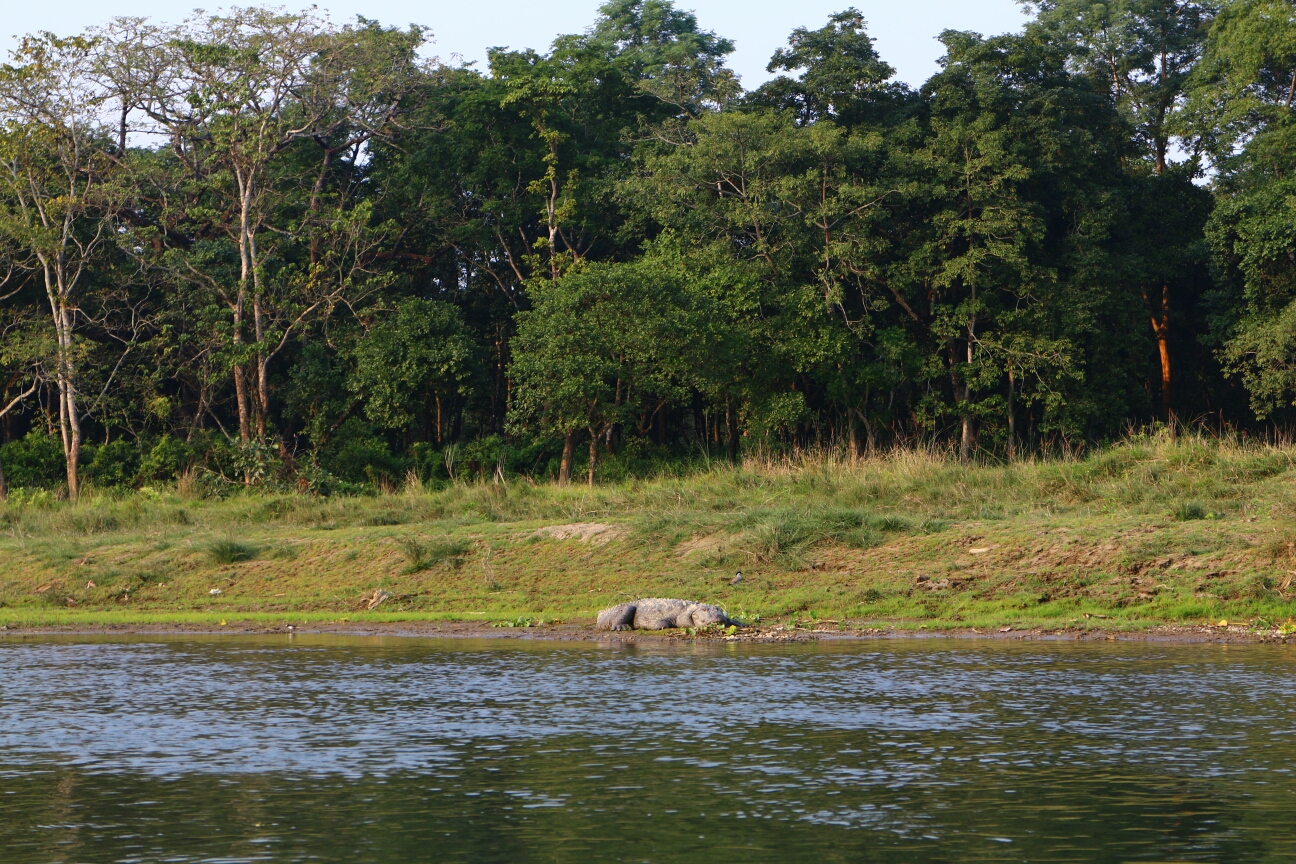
x,y
265,249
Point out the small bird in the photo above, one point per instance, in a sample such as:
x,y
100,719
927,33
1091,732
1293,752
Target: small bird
x,y
737,578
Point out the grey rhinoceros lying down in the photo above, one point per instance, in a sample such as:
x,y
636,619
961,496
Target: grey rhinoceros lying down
x,y
658,613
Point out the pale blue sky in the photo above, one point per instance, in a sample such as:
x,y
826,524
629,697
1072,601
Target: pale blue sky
x,y
905,29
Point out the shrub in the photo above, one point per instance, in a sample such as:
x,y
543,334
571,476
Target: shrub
x,y
165,460
358,454
113,464
35,460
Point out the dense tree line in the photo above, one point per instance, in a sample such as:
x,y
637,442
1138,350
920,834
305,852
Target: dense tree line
x,y
261,247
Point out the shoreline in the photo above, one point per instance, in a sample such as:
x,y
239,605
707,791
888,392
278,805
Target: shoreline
x,y
415,629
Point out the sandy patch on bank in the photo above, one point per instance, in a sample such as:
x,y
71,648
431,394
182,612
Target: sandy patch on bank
x,y
708,544
596,533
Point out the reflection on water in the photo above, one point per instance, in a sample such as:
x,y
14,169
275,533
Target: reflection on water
x,y
351,749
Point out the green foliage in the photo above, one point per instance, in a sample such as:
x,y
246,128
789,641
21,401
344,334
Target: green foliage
x,y
841,78
411,360
520,621
113,464
348,267
785,532
1240,113
603,344
356,453
166,459
35,460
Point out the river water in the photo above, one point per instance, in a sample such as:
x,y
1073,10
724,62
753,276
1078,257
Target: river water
x,y
323,748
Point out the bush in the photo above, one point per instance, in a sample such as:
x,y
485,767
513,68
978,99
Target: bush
x,y
429,463
113,464
357,454
165,460
771,533
35,460
639,458
478,458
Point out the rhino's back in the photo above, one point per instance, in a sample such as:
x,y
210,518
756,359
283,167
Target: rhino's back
x,y
653,610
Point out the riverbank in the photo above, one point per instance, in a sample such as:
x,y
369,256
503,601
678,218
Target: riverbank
x,y
1148,534
562,632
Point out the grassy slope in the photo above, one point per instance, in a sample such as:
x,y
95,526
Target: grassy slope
x,y
1160,531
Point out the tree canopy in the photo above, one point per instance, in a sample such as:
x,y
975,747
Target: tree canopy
x,y
266,248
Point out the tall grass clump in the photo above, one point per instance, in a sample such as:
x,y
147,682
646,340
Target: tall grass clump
x,y
230,551
422,556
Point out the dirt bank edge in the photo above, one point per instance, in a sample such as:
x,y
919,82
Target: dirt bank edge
x,y
587,633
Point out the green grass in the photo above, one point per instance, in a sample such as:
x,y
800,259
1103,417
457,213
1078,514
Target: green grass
x,y
1149,531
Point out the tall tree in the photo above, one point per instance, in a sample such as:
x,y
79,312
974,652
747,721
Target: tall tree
x,y
842,78
1142,53
60,198
1243,115
606,344
226,93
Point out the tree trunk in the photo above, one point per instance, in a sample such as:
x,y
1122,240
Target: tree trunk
x,y
1161,329
569,450
313,207
69,422
965,417
1012,419
593,448
263,394
245,276
965,440
731,424
70,429
871,435
262,359
258,331
241,397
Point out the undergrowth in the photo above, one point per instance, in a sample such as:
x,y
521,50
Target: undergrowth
x,y
1148,529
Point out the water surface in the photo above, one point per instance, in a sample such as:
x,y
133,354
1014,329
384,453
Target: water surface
x,y
300,748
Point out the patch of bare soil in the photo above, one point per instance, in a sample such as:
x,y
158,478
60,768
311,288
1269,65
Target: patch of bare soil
x,y
707,544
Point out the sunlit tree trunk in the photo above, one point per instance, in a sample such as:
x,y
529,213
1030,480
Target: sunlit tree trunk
x,y
240,304
1161,330
262,358
1012,417
569,452
966,419
65,378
